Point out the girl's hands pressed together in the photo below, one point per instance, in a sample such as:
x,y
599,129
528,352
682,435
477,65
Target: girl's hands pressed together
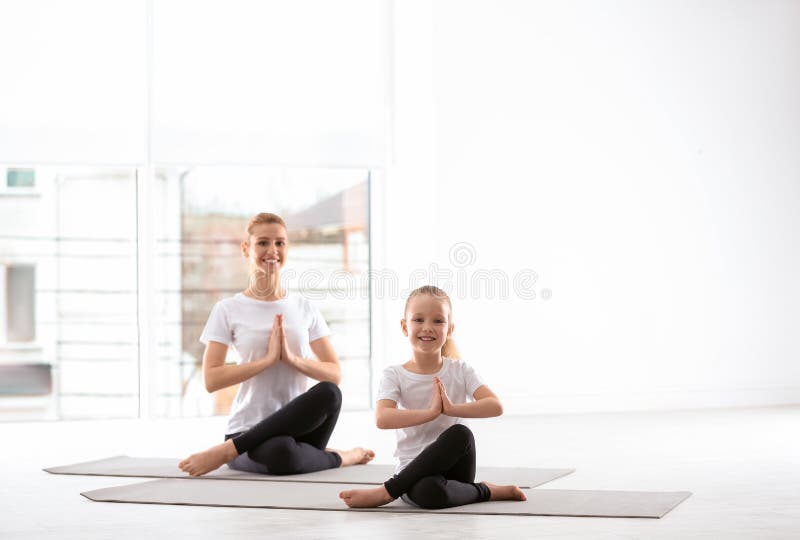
x,y
436,398
447,405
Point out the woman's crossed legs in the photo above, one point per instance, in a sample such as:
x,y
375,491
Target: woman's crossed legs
x,y
290,441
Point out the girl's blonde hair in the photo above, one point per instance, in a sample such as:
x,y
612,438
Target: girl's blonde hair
x,y
261,219
449,349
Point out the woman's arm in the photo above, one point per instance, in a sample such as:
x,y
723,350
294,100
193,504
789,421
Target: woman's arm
x,y
217,375
388,416
326,369
486,404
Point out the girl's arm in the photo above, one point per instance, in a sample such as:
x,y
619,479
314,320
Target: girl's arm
x,y
388,416
486,404
217,375
327,369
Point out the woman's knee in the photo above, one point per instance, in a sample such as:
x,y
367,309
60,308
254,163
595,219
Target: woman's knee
x,y
279,454
430,492
332,393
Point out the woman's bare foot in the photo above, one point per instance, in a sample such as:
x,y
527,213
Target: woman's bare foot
x,y
366,498
354,456
505,493
208,460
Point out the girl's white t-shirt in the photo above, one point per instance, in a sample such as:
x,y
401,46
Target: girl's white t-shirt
x,y
246,323
413,391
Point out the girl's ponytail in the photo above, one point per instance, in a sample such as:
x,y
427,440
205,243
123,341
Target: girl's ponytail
x,y
450,350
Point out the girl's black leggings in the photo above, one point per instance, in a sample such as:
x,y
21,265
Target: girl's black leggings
x,y
443,474
293,439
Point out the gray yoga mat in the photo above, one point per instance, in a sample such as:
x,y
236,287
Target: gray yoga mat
x,y
311,496
357,474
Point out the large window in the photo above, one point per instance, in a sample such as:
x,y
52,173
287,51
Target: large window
x,y
71,324
201,225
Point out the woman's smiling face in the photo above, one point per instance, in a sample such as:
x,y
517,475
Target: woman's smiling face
x,y
267,247
427,323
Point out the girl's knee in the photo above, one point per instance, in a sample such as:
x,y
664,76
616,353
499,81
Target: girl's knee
x,y
461,433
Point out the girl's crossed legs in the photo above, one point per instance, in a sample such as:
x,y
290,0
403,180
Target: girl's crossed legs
x,y
441,476
289,441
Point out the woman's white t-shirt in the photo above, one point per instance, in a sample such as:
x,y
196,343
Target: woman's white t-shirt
x,y
413,391
246,323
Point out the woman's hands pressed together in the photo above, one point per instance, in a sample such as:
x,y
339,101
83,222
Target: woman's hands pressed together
x,y
278,346
286,355
273,355
325,367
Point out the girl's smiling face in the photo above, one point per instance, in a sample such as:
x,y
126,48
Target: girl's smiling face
x,y
427,323
267,246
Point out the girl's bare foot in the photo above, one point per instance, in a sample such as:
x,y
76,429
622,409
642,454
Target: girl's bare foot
x,y
354,456
505,493
366,498
208,460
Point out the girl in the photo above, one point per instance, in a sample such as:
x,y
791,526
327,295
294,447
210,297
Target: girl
x,y
436,450
275,426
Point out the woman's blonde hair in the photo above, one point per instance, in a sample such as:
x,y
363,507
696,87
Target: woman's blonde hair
x,y
449,349
261,219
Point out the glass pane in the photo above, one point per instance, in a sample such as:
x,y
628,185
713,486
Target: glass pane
x,y
20,178
70,252
203,213
20,304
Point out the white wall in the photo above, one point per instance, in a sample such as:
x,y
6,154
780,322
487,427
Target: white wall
x,y
643,158
178,82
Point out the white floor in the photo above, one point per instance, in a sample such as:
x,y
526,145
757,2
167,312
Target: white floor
x,y
743,466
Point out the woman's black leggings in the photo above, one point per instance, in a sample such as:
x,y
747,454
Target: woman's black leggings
x,y
443,474
293,439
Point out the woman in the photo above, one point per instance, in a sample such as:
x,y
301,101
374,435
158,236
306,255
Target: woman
x,y
275,425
